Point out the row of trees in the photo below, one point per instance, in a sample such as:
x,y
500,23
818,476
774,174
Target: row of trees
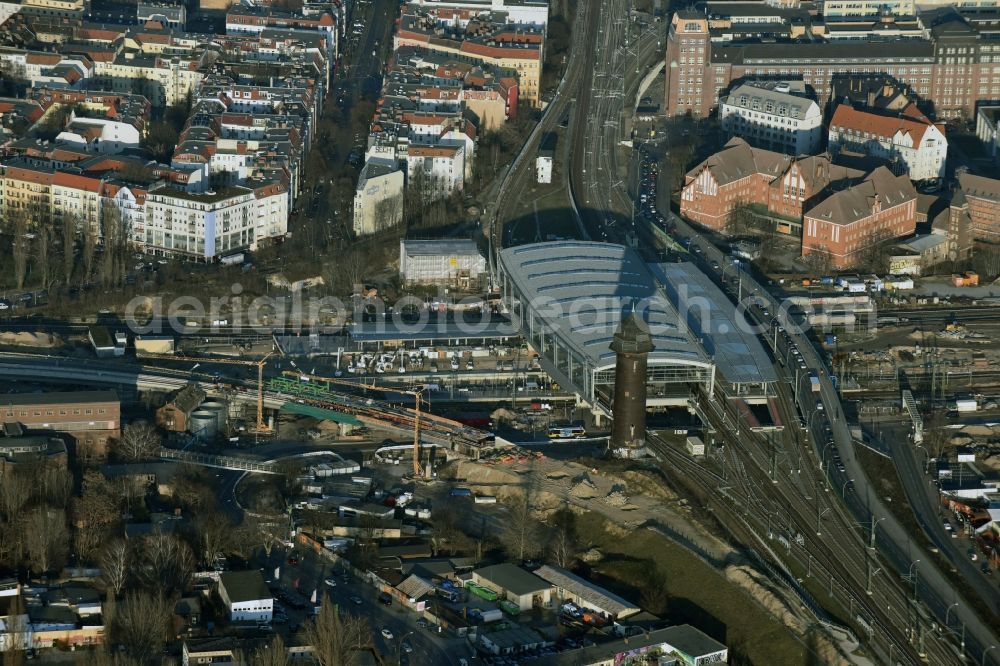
x,y
46,251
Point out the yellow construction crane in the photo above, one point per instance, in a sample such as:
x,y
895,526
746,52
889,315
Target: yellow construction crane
x,y
260,427
417,393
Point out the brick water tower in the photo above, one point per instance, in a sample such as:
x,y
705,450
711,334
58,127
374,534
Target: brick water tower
x,y
632,344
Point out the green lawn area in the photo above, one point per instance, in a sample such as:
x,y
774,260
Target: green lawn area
x,y
698,594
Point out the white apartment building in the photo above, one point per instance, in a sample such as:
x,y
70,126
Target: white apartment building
x,y
774,116
524,12
100,135
378,199
852,8
206,225
163,81
912,143
246,596
441,168
170,15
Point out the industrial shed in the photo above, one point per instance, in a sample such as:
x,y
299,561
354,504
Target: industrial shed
x,y
583,593
515,584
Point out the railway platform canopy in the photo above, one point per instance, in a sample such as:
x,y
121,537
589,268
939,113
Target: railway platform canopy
x,y
726,334
568,297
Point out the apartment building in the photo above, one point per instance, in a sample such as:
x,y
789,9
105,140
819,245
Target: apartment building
x,y
873,8
164,81
168,15
439,169
955,64
527,12
910,142
36,188
843,228
775,115
207,225
478,38
988,129
978,198
378,199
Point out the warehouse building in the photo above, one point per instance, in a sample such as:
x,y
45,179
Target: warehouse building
x,y
515,585
587,595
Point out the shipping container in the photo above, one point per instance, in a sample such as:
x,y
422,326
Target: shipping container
x,y
966,405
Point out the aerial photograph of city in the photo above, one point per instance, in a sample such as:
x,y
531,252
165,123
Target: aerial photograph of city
x,y
500,332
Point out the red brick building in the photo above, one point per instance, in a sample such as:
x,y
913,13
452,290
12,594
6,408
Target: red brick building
x,y
954,66
979,199
845,225
91,418
741,174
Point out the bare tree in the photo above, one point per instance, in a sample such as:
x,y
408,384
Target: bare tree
x,y
20,246
273,654
265,530
740,220
214,534
47,539
936,434
167,562
43,224
89,251
69,230
14,493
654,597
139,622
335,637
49,484
115,238
139,441
521,533
17,633
116,561
388,213
562,544
95,512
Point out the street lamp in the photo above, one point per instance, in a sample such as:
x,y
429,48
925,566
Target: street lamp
x,y
871,544
399,646
843,491
948,612
985,652
912,573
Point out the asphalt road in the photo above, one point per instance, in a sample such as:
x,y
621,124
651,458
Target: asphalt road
x,y
429,647
923,499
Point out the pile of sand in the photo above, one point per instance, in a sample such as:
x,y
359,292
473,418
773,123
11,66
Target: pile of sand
x,y
28,339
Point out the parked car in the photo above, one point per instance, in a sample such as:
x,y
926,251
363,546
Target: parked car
x,y
386,633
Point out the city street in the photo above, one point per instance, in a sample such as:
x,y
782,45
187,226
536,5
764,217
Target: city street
x,y
429,647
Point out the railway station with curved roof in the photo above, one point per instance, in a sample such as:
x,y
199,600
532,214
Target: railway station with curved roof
x,y
568,297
